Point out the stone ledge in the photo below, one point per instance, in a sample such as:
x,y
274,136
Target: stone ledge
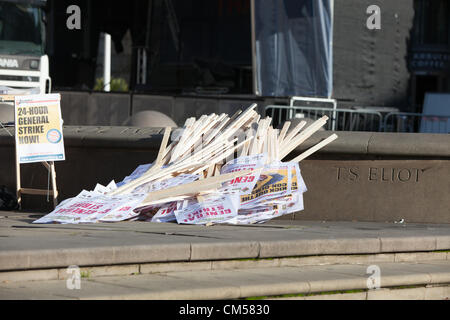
x,y
356,143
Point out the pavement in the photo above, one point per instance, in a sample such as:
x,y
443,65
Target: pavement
x,y
32,246
238,283
142,260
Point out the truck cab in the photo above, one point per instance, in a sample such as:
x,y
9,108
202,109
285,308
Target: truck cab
x,y
24,66
23,62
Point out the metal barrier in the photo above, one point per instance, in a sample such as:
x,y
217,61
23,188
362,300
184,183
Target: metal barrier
x,y
344,119
320,100
416,122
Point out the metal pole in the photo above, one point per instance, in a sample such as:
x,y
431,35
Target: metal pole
x,y
254,70
330,66
107,63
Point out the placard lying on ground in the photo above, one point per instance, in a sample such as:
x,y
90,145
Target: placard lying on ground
x,y
39,135
189,183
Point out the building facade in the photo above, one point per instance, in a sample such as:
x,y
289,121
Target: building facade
x,y
207,44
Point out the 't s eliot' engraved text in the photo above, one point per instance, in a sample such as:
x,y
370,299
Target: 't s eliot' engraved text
x,y
377,174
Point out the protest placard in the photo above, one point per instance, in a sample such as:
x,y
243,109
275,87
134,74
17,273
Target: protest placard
x,y
188,182
38,128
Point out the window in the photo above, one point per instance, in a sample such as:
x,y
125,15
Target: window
x,y
432,21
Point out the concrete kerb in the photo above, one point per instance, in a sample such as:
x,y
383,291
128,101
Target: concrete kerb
x,y
242,284
405,244
167,267
40,259
224,250
214,251
303,247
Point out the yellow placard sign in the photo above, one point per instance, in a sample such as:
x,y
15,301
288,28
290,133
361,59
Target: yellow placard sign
x,y
38,128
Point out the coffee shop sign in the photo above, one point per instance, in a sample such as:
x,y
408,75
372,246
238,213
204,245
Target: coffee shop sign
x,y
430,60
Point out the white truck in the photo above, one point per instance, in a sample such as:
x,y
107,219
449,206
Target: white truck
x,y
24,66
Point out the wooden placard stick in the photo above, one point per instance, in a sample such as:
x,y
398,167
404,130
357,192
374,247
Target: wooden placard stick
x,y
299,139
159,159
216,130
313,149
209,124
276,145
228,152
268,145
246,147
54,188
252,147
210,170
218,121
187,123
255,146
170,150
283,132
188,140
192,187
258,117
222,155
202,128
244,114
294,132
184,136
252,118
262,141
196,141
272,143
40,192
205,153
148,178
217,168
302,136
211,151
240,120
233,117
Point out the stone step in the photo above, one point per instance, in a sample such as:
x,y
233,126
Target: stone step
x,y
25,246
439,292
165,267
263,282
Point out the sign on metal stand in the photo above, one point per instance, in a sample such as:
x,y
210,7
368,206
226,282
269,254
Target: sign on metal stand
x,y
39,138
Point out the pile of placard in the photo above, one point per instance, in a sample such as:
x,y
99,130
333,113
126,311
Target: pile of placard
x,y
216,169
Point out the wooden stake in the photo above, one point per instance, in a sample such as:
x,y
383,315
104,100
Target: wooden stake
x,y
283,132
162,148
302,136
191,188
313,149
293,132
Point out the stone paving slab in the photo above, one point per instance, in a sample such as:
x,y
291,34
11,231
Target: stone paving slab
x,y
25,245
420,293
231,284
